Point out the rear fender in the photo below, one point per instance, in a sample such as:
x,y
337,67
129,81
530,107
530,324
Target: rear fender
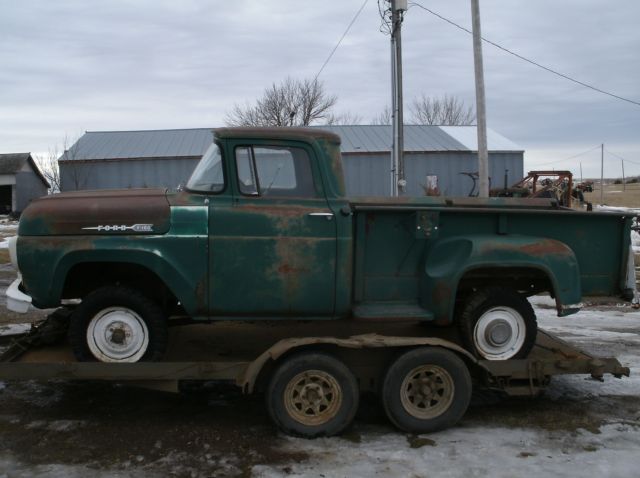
x,y
448,260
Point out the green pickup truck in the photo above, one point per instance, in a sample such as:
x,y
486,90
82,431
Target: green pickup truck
x,y
263,230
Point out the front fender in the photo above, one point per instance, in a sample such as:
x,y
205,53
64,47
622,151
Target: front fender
x,y
46,261
448,260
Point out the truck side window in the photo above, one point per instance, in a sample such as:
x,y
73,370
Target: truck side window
x,y
274,171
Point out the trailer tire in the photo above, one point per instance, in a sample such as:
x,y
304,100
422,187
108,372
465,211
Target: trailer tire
x,y
118,324
426,389
498,323
312,394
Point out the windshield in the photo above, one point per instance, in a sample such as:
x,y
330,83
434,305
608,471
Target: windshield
x,y
208,175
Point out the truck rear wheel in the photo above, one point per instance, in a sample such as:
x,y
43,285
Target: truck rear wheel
x,y
118,324
311,395
498,324
426,389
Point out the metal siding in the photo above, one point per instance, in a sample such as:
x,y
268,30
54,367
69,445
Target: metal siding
x,y
368,175
28,187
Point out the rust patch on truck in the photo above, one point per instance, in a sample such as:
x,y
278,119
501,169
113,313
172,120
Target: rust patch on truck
x,y
544,247
116,211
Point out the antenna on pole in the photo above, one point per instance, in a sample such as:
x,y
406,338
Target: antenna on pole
x,y
398,182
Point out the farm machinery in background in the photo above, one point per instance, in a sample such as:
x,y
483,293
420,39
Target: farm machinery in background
x,y
556,185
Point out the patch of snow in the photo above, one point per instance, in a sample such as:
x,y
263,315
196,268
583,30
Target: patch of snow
x,y
55,425
469,452
605,208
14,329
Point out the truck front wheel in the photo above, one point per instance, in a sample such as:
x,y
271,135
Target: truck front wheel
x,y
118,324
498,324
312,394
426,389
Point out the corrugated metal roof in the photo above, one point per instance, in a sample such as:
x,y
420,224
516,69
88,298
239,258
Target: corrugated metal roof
x,y
417,138
12,163
468,136
355,139
168,143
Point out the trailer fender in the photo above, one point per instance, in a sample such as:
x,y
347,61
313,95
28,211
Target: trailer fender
x,y
247,380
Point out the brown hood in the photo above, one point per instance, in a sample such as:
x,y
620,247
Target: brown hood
x,y
123,212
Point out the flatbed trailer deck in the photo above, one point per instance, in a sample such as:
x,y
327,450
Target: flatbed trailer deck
x,y
246,354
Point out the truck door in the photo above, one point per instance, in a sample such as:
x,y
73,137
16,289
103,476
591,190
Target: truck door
x,y
273,249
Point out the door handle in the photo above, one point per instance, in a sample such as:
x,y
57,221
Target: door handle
x,y
327,215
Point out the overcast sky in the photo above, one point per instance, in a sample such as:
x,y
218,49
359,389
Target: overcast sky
x,y
69,66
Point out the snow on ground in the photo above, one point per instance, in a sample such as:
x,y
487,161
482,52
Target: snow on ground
x,y
470,452
14,329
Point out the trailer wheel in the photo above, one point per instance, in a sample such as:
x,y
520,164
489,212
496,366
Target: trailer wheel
x,y
498,324
118,324
426,389
312,394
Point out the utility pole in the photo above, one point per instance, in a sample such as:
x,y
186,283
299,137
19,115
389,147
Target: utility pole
x,y
580,171
398,182
602,174
624,183
483,155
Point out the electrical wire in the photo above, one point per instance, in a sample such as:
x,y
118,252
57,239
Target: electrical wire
x,y
570,157
353,20
385,18
562,75
623,159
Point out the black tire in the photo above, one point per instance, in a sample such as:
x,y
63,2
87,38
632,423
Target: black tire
x,y
441,404
515,334
128,301
304,373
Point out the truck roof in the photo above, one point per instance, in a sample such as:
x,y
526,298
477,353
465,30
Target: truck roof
x,y
299,133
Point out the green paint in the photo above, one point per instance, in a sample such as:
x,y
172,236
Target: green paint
x,y
235,256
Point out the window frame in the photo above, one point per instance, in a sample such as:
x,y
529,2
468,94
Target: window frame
x,y
318,192
223,164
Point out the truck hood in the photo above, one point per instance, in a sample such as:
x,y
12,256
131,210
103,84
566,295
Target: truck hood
x,y
122,212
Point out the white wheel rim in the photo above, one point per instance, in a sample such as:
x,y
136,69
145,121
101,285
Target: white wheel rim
x,y
117,334
499,333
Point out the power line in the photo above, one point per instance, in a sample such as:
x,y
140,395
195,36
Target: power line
x,y
353,20
570,157
620,157
562,75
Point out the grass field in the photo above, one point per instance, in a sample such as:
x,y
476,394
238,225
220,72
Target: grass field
x,y
616,195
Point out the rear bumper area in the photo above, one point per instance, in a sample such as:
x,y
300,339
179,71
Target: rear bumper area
x,y
17,301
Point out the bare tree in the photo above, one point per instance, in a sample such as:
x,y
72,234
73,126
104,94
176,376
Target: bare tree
x,y
445,111
384,117
345,118
48,165
292,102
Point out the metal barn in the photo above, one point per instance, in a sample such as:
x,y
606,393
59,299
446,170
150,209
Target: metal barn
x,y
165,158
20,182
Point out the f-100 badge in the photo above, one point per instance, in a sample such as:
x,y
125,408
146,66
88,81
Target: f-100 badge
x,y
122,228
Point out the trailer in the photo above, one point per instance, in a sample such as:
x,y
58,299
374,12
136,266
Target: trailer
x,y
312,375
